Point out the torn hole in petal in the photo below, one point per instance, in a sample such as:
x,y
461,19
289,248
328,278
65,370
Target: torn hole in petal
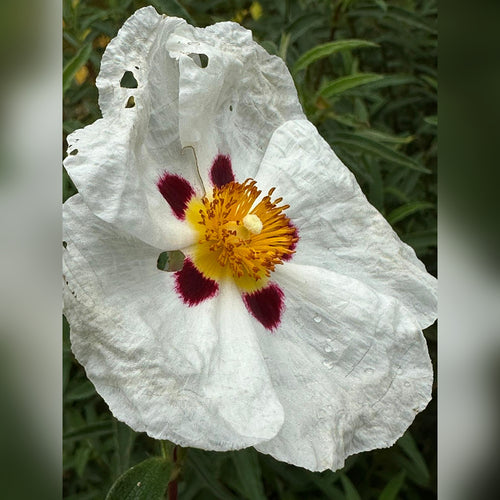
x,y
128,80
170,261
130,102
73,152
201,60
65,244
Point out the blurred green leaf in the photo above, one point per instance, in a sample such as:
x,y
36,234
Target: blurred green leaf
x,y
391,490
369,146
82,390
145,481
350,491
379,136
420,240
89,430
408,209
204,467
418,467
81,57
249,473
431,120
124,438
348,82
327,49
303,24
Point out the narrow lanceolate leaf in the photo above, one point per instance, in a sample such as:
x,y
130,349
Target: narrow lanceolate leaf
x,y
204,469
417,468
351,493
348,82
327,49
147,480
89,431
404,211
249,473
81,57
369,146
431,120
391,490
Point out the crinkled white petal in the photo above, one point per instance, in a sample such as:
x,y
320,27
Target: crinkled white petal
x,y
193,375
232,105
350,367
116,162
338,228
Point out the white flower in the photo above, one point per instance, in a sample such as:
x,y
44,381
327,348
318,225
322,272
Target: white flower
x,y
295,324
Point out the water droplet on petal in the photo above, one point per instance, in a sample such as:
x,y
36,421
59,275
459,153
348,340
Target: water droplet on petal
x,y
317,319
328,363
399,370
369,371
328,349
407,384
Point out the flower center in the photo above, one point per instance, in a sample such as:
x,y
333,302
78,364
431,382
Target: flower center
x,y
240,237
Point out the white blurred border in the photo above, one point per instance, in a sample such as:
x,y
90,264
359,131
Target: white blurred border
x,y
469,355
30,254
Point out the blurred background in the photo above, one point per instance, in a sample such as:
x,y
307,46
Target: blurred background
x,y
375,101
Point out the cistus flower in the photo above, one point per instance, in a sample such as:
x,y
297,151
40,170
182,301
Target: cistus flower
x,y
294,324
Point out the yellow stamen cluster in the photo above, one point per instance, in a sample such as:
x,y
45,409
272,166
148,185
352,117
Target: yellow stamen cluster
x,y
237,236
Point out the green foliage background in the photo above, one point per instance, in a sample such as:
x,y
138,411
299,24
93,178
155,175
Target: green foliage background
x,y
365,71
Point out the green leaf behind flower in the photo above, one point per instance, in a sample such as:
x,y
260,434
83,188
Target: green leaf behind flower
x,y
147,480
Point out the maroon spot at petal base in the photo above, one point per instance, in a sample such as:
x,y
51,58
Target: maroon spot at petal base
x,y
221,172
177,191
266,305
288,256
192,286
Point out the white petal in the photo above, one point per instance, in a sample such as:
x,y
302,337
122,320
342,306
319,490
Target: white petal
x,y
193,375
117,161
350,367
233,104
338,229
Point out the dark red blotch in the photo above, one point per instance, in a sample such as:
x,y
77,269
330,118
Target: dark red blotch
x,y
192,286
177,192
221,172
266,305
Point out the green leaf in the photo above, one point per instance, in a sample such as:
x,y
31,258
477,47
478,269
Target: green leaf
x,y
391,490
344,83
380,136
431,120
82,390
304,24
204,467
394,80
369,146
81,57
421,240
89,430
418,467
404,211
147,480
327,49
350,491
124,438
381,4
249,473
